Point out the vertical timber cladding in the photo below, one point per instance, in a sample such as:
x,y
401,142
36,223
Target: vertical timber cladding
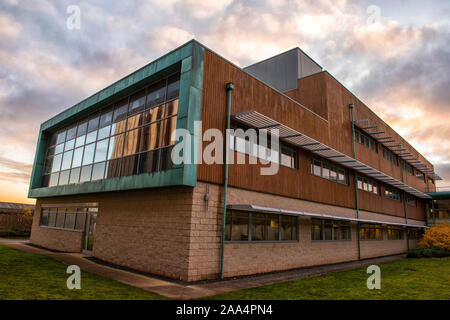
x,y
251,94
190,57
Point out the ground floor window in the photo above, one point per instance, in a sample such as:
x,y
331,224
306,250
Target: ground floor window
x,y
254,226
322,229
371,232
395,233
415,234
69,218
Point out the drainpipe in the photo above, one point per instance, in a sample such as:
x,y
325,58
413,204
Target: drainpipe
x,y
356,183
230,87
402,163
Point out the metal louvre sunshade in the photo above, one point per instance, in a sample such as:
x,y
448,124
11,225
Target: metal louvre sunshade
x,y
259,121
253,208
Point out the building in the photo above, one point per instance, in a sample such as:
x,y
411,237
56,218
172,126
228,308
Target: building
x,y
348,186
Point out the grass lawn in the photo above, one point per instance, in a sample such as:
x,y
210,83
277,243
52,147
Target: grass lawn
x,y
402,279
31,276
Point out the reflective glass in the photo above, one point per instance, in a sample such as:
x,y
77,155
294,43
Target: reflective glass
x,y
67,160
56,162
91,137
98,171
104,132
64,177
85,173
77,157
74,175
115,146
82,129
101,150
80,141
88,156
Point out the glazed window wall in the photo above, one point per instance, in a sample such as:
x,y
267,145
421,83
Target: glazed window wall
x,y
322,229
371,232
71,218
132,136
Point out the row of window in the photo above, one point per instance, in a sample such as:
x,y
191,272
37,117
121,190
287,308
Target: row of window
x,y
392,193
328,170
103,145
247,141
65,218
389,155
245,226
366,140
322,229
369,185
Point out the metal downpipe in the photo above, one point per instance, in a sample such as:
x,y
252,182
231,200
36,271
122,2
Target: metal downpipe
x,y
229,88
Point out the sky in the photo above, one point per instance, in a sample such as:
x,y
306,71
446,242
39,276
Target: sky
x,y
393,55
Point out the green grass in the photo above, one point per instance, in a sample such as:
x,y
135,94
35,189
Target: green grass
x,y
402,279
31,276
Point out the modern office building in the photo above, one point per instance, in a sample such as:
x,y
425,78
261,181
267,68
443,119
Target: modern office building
x,y
347,187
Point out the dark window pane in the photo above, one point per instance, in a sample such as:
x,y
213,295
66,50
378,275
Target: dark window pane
x,y
120,110
151,138
104,132
272,226
101,150
129,165
71,133
50,151
172,108
316,229
134,121
113,168
85,173
115,146
60,218
82,129
45,180
239,230
44,217
93,124
52,140
61,137
156,94
153,114
227,227
80,219
52,218
170,125
48,165
258,227
327,230
132,142
137,102
148,162
106,118
173,89
288,228
166,158
64,177
88,156
98,171
74,175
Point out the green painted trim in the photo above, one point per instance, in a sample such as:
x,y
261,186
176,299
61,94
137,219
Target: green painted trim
x,y
190,58
444,195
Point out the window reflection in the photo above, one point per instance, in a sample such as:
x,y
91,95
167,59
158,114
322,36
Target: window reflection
x,y
151,137
115,147
88,156
101,150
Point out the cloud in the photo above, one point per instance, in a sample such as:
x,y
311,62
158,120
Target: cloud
x,y
15,170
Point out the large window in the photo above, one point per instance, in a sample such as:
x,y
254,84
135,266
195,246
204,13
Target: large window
x,y
131,136
394,233
322,229
328,170
420,175
389,155
392,193
410,199
245,226
242,142
369,185
68,218
366,140
371,232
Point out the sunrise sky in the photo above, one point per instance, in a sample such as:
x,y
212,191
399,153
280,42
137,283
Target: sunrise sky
x,y
394,55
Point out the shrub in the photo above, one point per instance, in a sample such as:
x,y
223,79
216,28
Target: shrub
x,y
437,236
422,252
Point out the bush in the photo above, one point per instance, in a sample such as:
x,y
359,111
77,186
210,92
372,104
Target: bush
x,y
437,236
422,252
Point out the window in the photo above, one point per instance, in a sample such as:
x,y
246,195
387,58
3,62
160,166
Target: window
x,y
420,175
369,185
371,232
389,155
392,193
72,218
249,142
408,168
415,234
366,140
325,169
125,131
322,229
410,199
244,226
394,233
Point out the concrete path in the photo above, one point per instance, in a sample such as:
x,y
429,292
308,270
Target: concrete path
x,y
175,290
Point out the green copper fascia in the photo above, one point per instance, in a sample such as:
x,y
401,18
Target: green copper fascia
x,y
189,57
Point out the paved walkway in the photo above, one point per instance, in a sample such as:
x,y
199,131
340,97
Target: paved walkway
x,y
190,291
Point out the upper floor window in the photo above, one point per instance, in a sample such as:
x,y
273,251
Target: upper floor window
x,y
366,140
408,168
410,199
389,155
392,193
369,185
328,170
420,175
131,136
248,141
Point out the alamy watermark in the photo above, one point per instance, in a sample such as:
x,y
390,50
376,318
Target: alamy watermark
x,y
374,281
74,280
